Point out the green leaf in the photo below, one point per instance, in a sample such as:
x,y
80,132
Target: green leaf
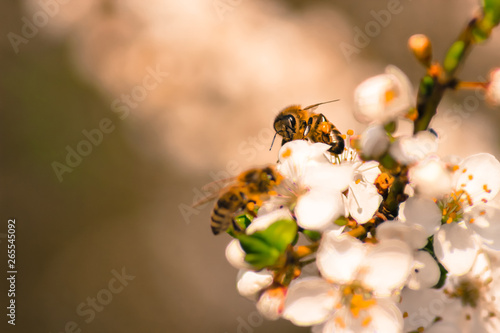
x,y
454,55
312,235
279,235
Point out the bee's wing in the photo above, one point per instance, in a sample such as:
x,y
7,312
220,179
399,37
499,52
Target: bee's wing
x,y
314,106
213,193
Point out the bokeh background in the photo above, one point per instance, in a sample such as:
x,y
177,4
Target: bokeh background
x,y
227,67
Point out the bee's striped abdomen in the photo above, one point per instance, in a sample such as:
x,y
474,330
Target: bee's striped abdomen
x,y
225,208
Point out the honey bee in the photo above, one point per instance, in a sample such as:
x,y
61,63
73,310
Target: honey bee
x,y
251,188
295,123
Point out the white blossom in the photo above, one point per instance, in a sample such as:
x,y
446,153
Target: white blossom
x,y
384,97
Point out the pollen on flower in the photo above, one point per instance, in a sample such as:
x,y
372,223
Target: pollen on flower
x,y
286,153
405,314
452,206
340,322
464,170
366,321
486,189
483,212
389,96
455,168
471,177
343,136
472,220
350,132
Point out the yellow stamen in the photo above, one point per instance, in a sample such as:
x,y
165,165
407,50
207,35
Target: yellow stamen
x,y
455,167
389,96
273,193
420,329
481,213
286,153
470,177
484,200
464,170
339,322
350,132
343,136
486,189
449,220
358,181
366,321
472,220
250,206
405,314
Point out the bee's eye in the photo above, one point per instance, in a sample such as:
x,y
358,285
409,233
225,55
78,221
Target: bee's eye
x,y
290,121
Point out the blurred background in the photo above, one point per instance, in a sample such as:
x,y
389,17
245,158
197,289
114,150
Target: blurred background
x,y
114,114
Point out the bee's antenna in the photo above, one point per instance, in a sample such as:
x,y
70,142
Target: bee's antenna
x,y
273,141
316,105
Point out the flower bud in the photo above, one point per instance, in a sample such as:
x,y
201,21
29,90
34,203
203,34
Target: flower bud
x,y
421,47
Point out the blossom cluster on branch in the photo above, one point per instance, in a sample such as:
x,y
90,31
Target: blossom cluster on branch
x,y
386,236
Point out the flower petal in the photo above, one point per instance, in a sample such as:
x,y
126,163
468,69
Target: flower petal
x,y
271,303
338,257
431,178
386,266
317,210
423,212
363,201
385,317
421,307
444,327
479,176
263,221
328,177
425,273
251,283
413,235
310,301
486,224
236,256
455,248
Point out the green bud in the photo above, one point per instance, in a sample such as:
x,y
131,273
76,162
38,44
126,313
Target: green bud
x,y
264,248
454,55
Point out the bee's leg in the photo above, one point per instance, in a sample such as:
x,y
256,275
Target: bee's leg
x,y
236,227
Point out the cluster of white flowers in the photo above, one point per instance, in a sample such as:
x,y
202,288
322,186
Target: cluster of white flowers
x,y
367,256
